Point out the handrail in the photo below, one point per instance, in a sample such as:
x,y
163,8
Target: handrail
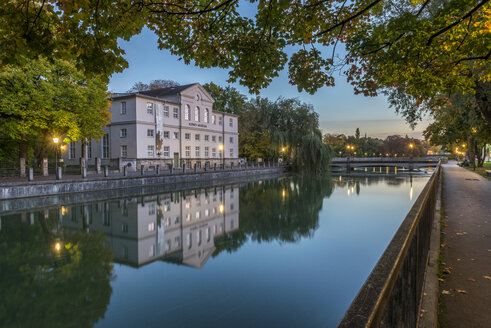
x,y
392,293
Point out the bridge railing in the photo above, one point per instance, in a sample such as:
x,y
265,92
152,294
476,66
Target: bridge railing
x,y
385,159
392,294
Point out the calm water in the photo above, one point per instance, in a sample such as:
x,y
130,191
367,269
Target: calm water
x,y
282,252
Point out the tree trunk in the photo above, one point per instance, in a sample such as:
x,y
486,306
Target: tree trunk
x,y
84,148
472,154
483,99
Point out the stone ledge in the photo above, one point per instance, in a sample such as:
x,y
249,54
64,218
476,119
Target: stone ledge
x,y
65,187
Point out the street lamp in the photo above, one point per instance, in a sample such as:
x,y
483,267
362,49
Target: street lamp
x,y
220,148
55,140
411,145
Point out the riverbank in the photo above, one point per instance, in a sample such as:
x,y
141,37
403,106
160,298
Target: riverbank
x,y
75,184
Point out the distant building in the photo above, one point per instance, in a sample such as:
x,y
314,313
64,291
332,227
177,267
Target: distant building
x,y
164,126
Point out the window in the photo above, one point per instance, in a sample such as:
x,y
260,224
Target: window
x,y
214,152
123,108
150,151
124,151
231,139
149,108
197,151
124,227
220,119
166,151
151,209
105,146
213,138
187,113
207,116
207,137
196,114
166,134
175,112
213,119
231,152
231,122
89,149
123,133
151,226
176,135
187,136
207,151
150,133
196,137
220,139
166,111
188,151
71,150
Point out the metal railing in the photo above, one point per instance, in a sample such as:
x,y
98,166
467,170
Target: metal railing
x,y
392,294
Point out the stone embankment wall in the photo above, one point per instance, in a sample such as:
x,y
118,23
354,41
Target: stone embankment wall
x,y
47,188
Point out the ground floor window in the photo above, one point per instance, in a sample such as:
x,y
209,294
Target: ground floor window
x,y
197,152
105,146
71,150
188,151
89,149
166,151
150,151
207,151
124,151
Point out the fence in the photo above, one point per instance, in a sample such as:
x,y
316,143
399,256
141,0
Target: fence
x,y
392,294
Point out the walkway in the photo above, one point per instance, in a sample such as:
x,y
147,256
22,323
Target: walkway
x,y
466,289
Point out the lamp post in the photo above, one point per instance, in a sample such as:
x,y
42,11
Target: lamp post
x,y
55,140
411,146
220,148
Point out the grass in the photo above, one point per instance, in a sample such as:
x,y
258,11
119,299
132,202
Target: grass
x,y
481,170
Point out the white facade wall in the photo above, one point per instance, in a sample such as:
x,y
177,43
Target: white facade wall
x,y
142,230
212,132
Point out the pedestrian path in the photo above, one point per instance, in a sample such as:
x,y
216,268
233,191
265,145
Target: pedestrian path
x,y
465,292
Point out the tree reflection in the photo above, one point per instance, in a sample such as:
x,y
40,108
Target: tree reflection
x,y
51,280
284,210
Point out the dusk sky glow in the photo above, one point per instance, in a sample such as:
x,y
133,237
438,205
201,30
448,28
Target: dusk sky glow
x,y
339,109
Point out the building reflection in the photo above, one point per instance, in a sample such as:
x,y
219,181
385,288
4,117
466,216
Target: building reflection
x,y
178,227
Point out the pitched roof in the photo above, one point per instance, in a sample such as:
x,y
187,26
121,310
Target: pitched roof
x,y
162,92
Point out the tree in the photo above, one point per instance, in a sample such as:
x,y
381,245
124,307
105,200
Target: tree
x,y
154,84
47,98
418,48
460,125
357,134
44,288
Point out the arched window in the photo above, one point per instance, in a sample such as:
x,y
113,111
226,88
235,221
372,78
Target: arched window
x,y
207,116
187,113
196,114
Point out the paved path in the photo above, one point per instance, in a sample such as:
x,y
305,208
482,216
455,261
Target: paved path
x,y
467,251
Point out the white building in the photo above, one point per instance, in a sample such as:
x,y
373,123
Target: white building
x,y
165,126
179,227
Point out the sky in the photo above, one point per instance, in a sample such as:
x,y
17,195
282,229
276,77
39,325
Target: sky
x,y
339,109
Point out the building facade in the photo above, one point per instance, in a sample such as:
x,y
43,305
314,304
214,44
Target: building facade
x,y
168,126
179,227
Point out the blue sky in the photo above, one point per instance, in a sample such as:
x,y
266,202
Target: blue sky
x,y
339,109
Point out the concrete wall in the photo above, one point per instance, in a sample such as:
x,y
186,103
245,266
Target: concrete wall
x,y
45,188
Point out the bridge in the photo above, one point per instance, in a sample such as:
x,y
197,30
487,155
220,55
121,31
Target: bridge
x,y
400,162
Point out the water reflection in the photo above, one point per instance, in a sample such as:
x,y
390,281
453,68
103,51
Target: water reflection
x,y
180,227
55,265
353,183
49,277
